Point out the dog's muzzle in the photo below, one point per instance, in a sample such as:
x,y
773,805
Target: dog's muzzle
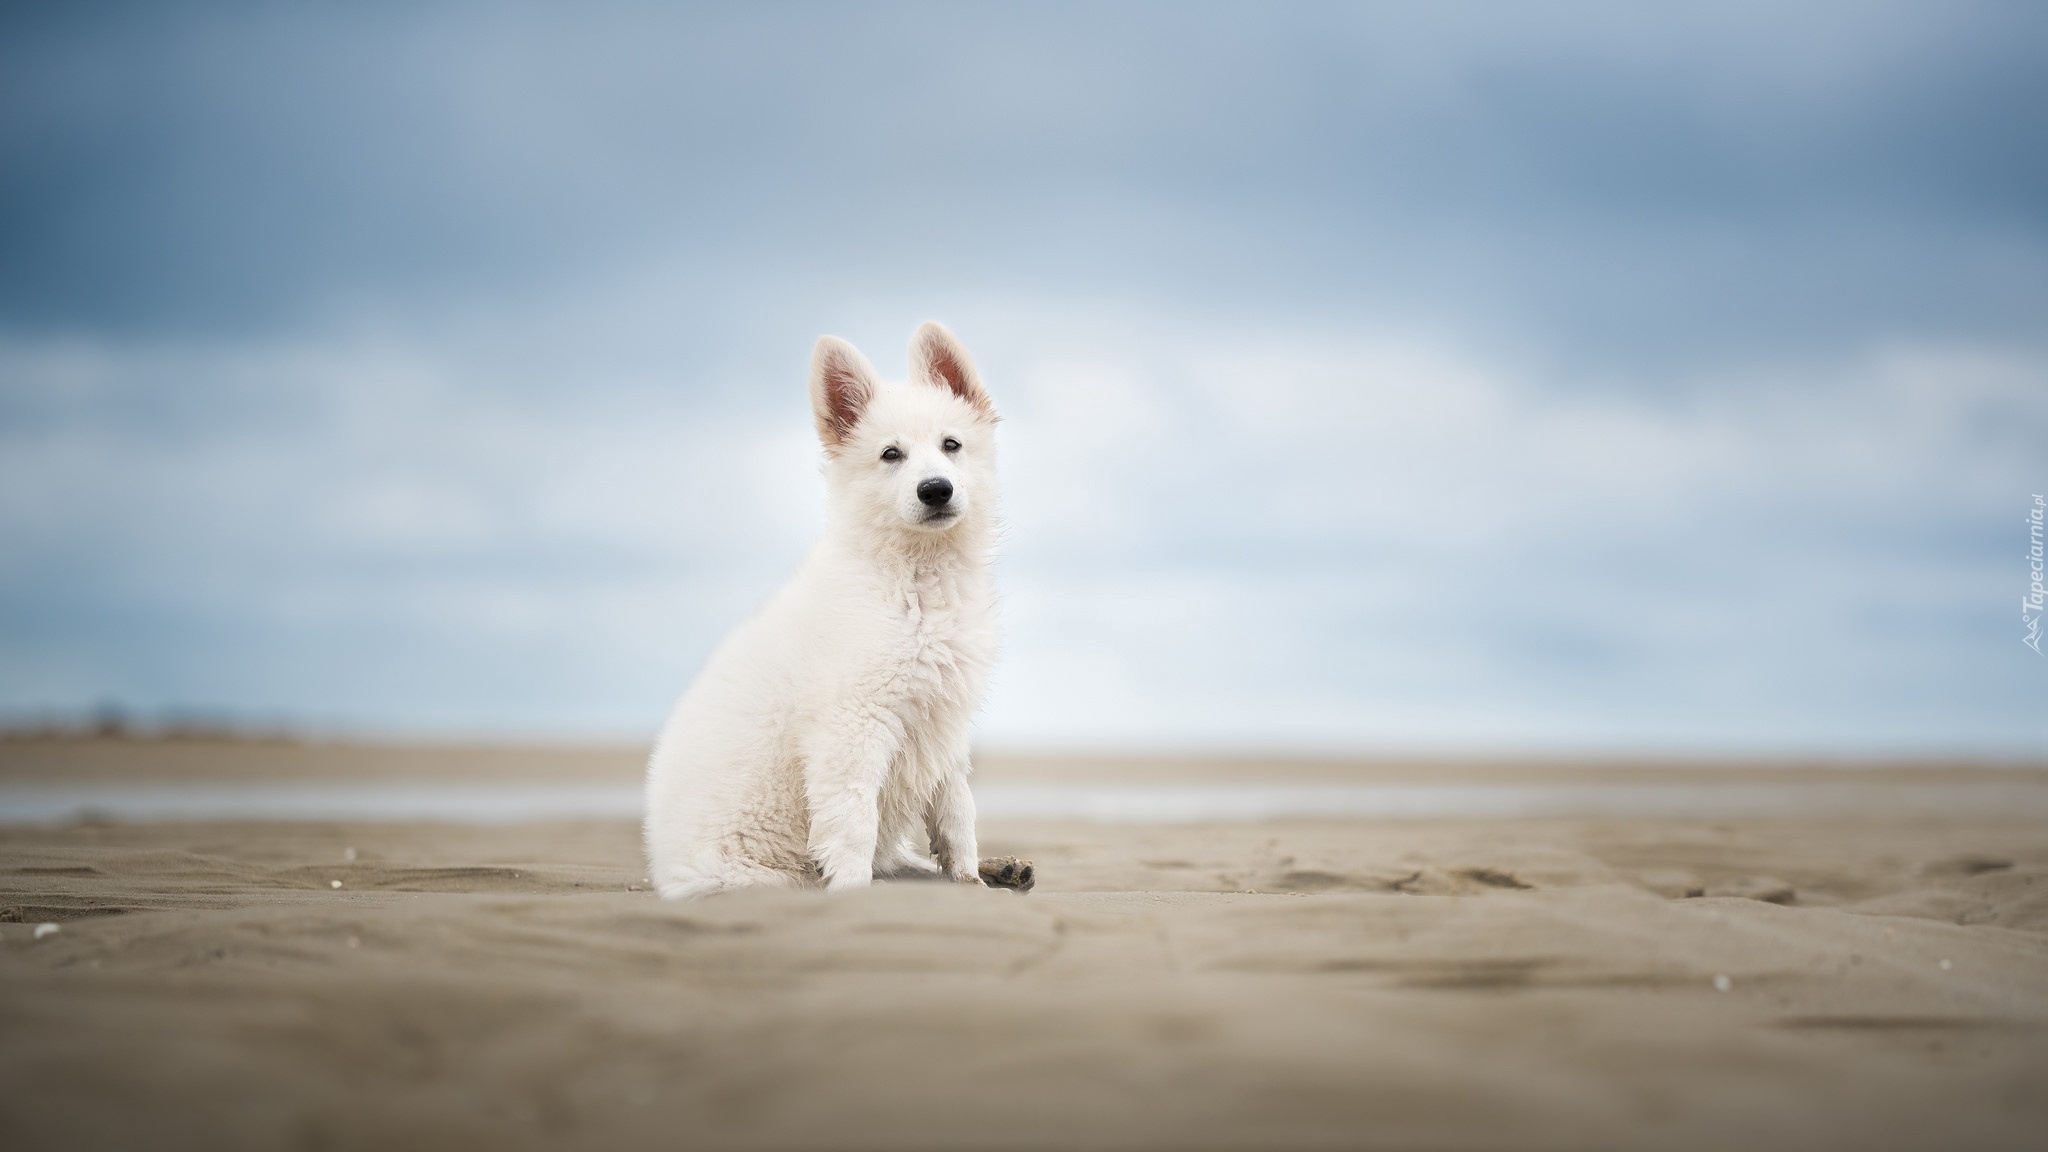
x,y
936,492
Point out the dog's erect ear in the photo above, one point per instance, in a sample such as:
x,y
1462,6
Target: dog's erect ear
x,y
937,358
842,383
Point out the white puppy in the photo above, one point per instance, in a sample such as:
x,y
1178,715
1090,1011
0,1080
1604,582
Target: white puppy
x,y
826,738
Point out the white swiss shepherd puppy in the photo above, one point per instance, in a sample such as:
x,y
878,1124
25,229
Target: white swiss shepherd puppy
x,y
826,738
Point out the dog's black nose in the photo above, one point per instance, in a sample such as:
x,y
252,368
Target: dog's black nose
x,y
935,492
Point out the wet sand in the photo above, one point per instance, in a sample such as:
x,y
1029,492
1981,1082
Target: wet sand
x,y
1876,982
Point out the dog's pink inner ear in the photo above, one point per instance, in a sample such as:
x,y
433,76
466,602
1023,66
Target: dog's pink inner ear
x,y
946,369
846,397
944,364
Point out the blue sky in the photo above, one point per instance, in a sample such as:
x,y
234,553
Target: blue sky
x,y
1378,378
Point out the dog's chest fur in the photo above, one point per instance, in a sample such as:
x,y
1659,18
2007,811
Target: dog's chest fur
x,y
942,640
945,638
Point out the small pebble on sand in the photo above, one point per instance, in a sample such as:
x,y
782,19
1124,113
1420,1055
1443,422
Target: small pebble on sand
x,y
1722,983
43,930
355,942
334,883
348,855
1945,965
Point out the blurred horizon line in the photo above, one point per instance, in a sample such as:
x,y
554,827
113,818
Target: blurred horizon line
x,y
113,723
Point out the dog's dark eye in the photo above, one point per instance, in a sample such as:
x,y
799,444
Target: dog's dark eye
x,y
951,445
892,454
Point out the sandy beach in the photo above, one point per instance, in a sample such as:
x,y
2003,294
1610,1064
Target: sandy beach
x,y
1871,980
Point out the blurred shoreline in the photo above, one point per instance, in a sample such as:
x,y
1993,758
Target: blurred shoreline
x,y
56,780
48,754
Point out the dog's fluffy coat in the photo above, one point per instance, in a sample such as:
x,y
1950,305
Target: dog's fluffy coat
x,y
826,738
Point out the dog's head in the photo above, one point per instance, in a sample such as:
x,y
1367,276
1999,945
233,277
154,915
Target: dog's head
x,y
917,456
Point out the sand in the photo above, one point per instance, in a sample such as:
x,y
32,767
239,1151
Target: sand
x,y
1876,982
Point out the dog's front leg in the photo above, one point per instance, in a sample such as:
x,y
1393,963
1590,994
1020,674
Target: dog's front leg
x,y
951,824
842,781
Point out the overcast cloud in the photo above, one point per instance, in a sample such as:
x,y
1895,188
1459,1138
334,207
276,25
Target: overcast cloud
x,y
1376,378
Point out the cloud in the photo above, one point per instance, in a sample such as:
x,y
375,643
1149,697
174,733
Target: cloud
x,y
289,509
1250,538
1607,184
1379,543
1374,375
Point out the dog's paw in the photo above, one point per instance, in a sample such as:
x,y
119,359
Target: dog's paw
x,y
1007,872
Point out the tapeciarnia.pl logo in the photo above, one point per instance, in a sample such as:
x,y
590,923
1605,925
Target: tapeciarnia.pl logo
x,y
2031,603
